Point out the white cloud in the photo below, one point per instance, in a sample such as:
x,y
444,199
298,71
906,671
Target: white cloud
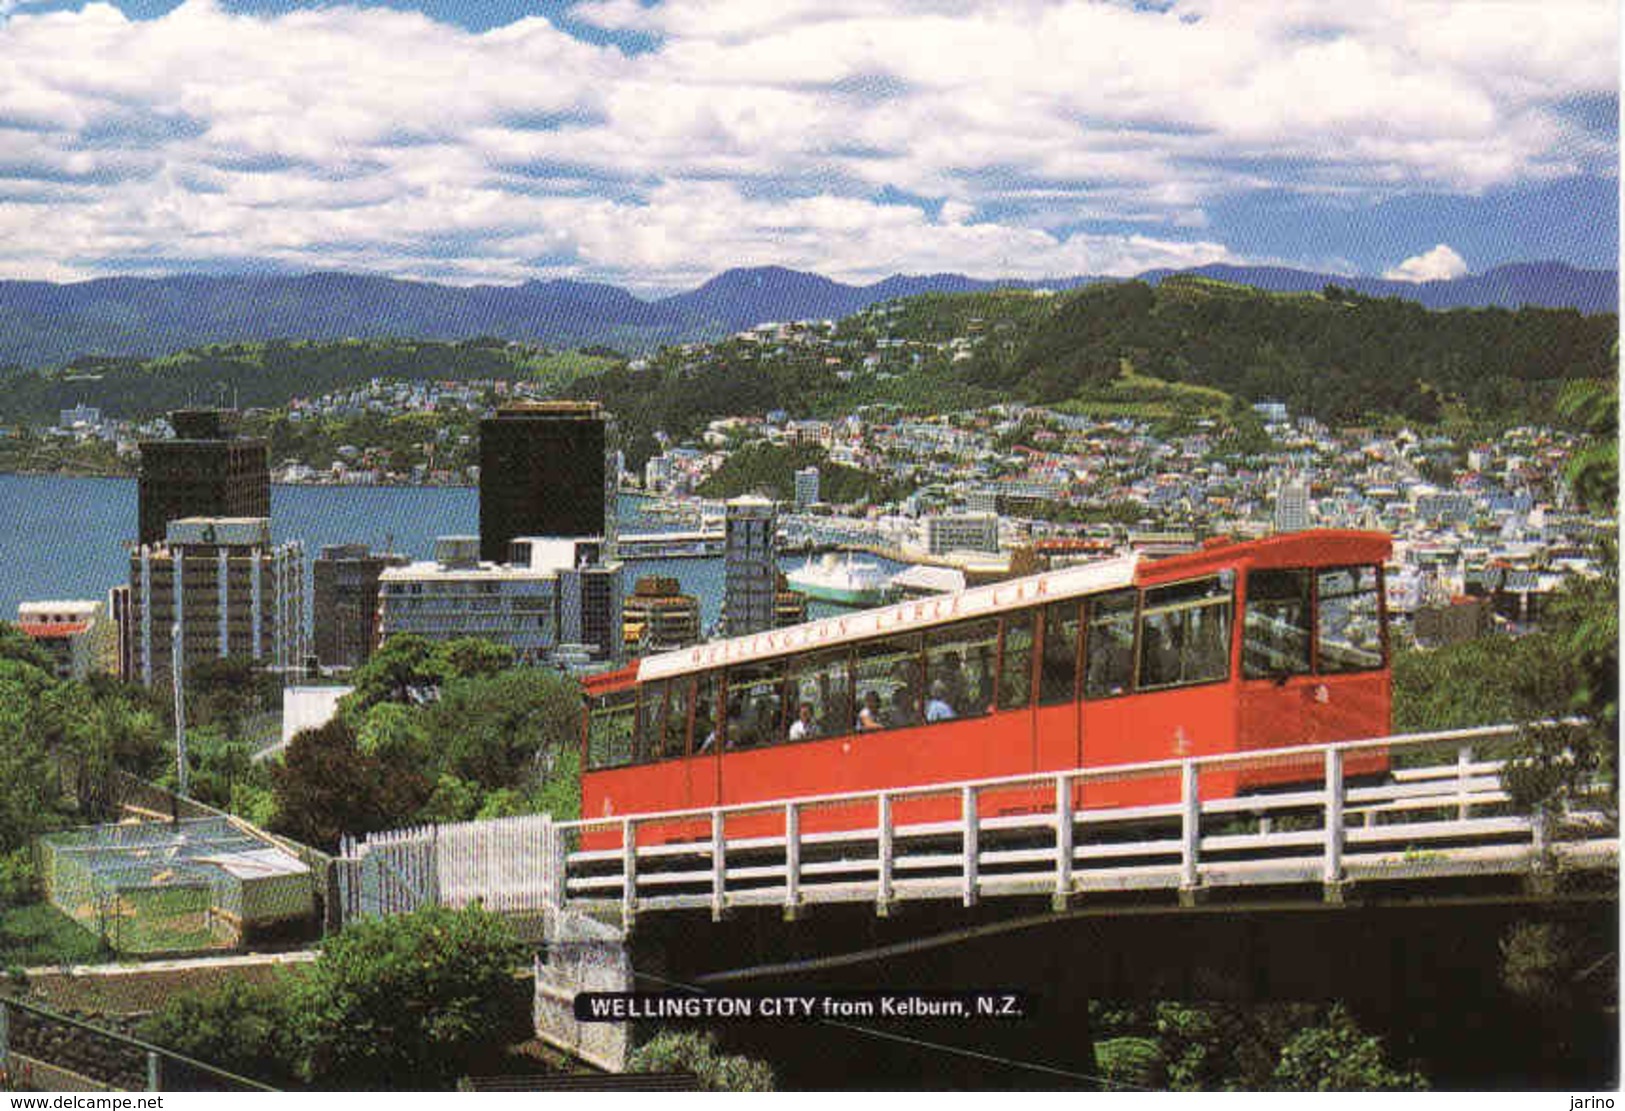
x,y
751,132
1430,266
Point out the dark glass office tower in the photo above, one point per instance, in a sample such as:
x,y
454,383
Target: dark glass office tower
x,y
205,471
545,471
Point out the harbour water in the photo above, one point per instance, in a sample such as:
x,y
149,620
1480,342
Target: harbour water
x,y
63,538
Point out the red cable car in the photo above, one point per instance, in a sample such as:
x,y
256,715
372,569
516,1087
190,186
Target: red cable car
x,y
1230,649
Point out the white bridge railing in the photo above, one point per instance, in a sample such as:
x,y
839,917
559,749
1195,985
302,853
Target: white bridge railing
x,y
1440,810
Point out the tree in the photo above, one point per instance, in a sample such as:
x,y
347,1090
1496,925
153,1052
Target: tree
x,y
406,668
1594,472
26,783
1336,1057
396,733
219,762
15,646
467,657
414,1001
503,730
224,692
327,787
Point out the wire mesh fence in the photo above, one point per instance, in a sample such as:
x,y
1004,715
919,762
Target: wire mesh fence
x,y
185,886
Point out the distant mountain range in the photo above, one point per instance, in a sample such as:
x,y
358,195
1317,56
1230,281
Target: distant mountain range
x,y
48,324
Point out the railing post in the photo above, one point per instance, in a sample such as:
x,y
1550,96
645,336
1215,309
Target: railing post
x,y
883,855
629,870
1063,842
1332,875
1190,798
1539,835
972,842
5,1040
719,868
559,857
792,859
1464,760
155,1072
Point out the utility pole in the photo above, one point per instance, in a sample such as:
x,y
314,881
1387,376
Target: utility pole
x,y
176,658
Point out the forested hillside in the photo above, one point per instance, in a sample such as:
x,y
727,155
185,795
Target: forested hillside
x,y
1336,355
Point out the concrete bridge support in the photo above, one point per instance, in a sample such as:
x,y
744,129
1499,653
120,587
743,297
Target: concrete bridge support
x,y
1424,976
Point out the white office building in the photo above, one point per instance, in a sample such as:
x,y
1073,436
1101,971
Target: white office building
x,y
552,592
219,587
961,532
806,487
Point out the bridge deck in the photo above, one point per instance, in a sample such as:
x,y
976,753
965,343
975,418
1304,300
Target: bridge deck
x,y
1442,814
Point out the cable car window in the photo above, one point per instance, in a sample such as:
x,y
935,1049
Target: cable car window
x,y
1185,633
755,695
1016,663
1349,624
822,682
1058,669
887,674
1275,629
705,712
675,741
651,721
610,721
1109,660
959,669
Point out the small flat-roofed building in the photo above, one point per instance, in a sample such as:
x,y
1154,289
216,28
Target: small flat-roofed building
x,y
78,636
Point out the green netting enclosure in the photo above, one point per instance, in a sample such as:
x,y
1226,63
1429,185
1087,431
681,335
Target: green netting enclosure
x,y
172,887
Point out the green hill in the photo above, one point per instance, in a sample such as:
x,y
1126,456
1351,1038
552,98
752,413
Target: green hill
x,y
1336,355
273,372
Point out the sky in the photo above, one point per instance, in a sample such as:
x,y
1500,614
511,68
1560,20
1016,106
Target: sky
x,y
654,143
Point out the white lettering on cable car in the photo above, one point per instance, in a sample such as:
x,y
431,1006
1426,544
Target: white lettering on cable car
x,y
981,601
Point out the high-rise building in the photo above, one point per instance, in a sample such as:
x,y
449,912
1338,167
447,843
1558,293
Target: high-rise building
x,y
205,471
344,602
750,565
220,587
590,611
1292,505
806,487
118,609
546,469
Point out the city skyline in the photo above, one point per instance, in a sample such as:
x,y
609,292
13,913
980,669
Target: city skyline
x,y
653,145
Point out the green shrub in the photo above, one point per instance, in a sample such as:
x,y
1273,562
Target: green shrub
x,y
1132,1063
246,1028
696,1052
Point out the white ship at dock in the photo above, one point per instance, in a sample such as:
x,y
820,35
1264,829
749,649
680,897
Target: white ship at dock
x,y
846,581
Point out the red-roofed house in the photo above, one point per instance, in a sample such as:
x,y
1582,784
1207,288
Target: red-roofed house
x,y
78,636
